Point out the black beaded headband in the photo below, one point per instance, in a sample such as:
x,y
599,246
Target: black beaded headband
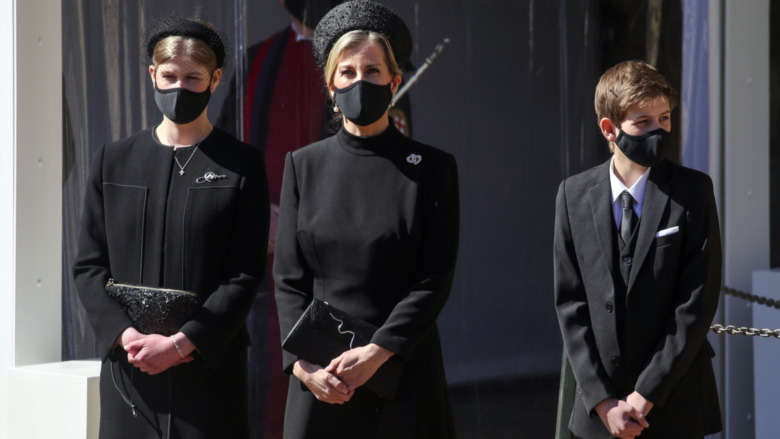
x,y
187,28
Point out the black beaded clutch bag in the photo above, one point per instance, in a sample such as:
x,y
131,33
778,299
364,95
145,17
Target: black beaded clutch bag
x,y
154,310
324,332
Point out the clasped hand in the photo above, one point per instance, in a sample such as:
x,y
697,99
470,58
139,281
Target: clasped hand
x,y
336,383
625,418
152,353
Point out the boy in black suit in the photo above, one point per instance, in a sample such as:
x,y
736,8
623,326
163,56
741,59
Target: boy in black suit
x,y
637,273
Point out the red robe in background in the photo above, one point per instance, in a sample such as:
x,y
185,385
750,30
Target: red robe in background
x,y
285,101
284,109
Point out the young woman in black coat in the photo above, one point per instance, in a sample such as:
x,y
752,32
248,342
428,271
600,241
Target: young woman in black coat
x,y
368,223
183,206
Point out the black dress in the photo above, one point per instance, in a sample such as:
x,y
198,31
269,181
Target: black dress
x,y
371,226
144,223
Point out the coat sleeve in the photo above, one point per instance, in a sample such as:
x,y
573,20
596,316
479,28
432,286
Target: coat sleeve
x,y
292,278
571,306
91,269
696,298
414,316
222,315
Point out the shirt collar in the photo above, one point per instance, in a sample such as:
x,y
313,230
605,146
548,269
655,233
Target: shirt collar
x,y
637,190
298,35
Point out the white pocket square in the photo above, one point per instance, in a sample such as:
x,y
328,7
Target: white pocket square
x,y
668,231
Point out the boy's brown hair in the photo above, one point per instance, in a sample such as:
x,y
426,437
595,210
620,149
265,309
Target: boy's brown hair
x,y
628,83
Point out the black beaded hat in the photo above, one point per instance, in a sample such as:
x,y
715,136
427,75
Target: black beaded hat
x,y
189,28
361,15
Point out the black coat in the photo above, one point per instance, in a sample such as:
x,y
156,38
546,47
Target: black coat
x,y
671,297
371,226
145,224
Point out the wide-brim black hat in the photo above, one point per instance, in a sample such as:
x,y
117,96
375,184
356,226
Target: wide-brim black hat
x,y
362,15
178,26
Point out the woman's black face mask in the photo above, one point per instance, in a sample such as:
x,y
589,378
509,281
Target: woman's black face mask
x,y
363,102
180,105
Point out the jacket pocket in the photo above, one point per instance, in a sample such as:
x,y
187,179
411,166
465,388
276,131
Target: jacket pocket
x,y
667,240
124,209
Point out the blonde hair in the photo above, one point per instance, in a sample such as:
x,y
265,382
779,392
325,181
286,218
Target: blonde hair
x,y
629,83
355,38
183,47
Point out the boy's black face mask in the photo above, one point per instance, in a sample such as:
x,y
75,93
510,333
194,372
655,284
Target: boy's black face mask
x,y
646,149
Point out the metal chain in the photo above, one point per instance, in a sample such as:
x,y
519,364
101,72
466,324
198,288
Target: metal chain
x,y
772,303
743,330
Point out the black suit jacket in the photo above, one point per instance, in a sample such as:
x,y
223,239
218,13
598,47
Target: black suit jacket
x,y
665,311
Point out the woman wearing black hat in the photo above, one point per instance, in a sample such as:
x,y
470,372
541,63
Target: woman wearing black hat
x,y
182,206
368,223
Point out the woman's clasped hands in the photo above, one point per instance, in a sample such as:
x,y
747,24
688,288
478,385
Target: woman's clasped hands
x,y
155,353
336,383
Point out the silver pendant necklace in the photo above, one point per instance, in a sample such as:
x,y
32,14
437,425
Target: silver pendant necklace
x,y
181,167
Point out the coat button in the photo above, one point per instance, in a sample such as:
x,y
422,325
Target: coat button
x,y
627,260
616,361
610,307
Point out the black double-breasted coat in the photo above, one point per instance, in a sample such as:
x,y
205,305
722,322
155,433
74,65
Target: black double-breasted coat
x,y
370,225
144,223
647,334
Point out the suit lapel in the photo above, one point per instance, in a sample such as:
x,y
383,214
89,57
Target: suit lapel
x,y
656,199
601,209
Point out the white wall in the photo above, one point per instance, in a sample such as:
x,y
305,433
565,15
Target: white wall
x,y
7,130
38,182
30,187
745,184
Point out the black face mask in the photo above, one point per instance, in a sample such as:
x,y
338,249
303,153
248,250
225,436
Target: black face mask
x,y
180,105
310,12
363,103
646,149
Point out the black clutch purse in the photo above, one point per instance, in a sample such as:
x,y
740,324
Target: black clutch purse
x,y
154,310
324,332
